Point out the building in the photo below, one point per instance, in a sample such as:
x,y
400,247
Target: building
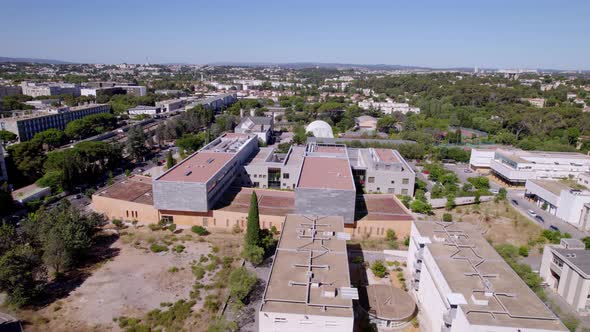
x,y
514,167
6,91
366,123
536,102
217,102
49,89
561,200
462,284
196,183
43,103
171,105
261,126
389,307
3,172
481,158
388,106
26,126
109,90
320,129
170,92
566,269
141,110
30,193
309,286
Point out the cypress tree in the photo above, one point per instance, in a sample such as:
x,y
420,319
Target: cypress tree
x,y
170,161
253,227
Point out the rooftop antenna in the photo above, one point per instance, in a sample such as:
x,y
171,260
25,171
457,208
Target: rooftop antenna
x,y
147,60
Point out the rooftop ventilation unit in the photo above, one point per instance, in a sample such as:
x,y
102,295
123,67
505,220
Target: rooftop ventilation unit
x,y
349,293
188,173
329,292
343,236
210,160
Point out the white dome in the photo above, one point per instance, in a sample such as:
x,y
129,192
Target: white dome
x,y
321,129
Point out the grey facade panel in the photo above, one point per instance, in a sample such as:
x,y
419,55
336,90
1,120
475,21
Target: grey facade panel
x,y
180,196
326,202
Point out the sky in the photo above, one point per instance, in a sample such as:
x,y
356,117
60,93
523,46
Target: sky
x,y
432,33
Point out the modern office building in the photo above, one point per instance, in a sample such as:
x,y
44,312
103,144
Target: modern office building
x,y
515,167
260,126
462,284
3,172
26,126
309,288
49,89
141,110
559,199
566,269
196,183
109,90
217,102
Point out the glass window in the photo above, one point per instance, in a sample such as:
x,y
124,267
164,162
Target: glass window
x,y
168,219
285,175
405,181
371,179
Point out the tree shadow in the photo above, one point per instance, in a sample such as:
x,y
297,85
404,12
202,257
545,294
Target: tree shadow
x,y
59,288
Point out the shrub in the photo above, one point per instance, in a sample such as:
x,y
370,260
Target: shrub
x,y
253,254
418,206
156,247
172,227
198,272
179,248
154,227
200,230
241,283
274,230
358,260
118,223
407,240
447,217
212,302
379,270
523,251
173,269
236,229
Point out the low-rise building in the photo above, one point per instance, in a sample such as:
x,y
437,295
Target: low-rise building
x,y
26,126
462,284
6,91
43,103
309,285
141,110
49,89
561,200
515,167
566,269
366,123
261,126
536,102
171,105
30,193
388,107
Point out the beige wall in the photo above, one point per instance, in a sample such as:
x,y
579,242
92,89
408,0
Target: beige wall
x,y
124,210
378,228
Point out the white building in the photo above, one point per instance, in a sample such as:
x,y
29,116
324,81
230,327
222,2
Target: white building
x,y
388,107
171,105
462,284
566,269
309,287
569,204
261,126
514,167
320,128
49,89
481,159
141,110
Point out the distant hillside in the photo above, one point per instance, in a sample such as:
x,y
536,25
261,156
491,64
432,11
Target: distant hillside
x,y
32,60
299,65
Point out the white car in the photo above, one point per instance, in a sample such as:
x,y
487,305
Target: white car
x,y
495,191
532,213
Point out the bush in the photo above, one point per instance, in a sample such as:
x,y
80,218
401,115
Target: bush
x,y
523,251
172,227
154,227
379,270
179,248
173,269
241,283
274,230
198,271
253,254
156,247
200,230
358,260
418,206
447,217
118,223
236,229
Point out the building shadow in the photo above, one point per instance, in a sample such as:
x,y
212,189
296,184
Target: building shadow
x,y
359,280
360,209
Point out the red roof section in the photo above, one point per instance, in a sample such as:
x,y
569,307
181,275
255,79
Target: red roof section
x,y
199,167
326,173
387,155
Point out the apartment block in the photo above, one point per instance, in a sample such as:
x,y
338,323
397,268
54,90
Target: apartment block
x,y
309,288
566,269
462,284
49,89
144,110
196,183
26,126
172,105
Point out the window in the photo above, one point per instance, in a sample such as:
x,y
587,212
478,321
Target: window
x,y
371,179
205,222
557,261
280,320
256,184
405,181
127,212
331,323
391,190
404,191
168,219
255,175
285,175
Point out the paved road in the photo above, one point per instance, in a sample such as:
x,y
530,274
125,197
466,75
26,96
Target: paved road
x,y
522,205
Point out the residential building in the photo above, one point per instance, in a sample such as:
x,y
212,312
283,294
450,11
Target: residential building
x,y
171,105
566,269
196,183
147,110
584,179
6,91
366,123
49,89
481,158
514,167
261,126
43,103
309,286
216,102
561,200
536,102
170,92
26,126
3,172
462,284
109,90
388,106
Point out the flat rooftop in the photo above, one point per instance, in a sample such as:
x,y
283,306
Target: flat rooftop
x,y
199,167
390,303
464,259
380,207
555,187
387,156
579,258
136,188
326,173
545,157
270,202
310,260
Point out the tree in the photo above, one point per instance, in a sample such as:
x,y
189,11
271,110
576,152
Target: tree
x,y
391,238
378,269
253,227
50,138
21,274
421,207
6,201
136,146
241,283
253,254
7,136
450,202
170,161
191,142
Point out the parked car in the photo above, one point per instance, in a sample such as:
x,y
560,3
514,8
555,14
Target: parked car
x,y
553,228
539,218
515,202
495,191
532,213
467,170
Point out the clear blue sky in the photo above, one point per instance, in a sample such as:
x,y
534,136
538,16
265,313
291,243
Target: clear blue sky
x,y
516,33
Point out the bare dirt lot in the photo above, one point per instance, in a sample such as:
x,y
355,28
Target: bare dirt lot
x,y
134,281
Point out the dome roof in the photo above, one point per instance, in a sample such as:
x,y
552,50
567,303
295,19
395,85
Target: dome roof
x,y
320,128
